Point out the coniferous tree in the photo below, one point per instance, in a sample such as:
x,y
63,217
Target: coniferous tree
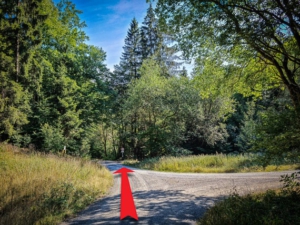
x,y
151,38
74,88
53,86
140,44
131,59
125,72
158,45
20,36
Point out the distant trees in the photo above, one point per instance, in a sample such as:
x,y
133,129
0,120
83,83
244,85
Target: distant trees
x,y
142,43
167,112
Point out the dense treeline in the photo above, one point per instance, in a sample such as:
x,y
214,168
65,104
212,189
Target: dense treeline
x,y
53,85
242,94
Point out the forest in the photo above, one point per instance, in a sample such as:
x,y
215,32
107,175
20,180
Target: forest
x,y
243,94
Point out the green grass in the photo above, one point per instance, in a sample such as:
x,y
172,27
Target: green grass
x,y
44,189
270,208
219,163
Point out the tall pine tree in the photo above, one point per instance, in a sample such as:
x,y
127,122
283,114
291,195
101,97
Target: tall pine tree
x,y
131,59
151,38
158,45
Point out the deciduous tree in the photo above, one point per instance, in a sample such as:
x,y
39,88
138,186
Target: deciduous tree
x,y
269,28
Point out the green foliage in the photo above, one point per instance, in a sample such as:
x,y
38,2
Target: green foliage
x,y
56,90
141,43
54,140
53,84
257,27
244,48
150,35
132,56
158,45
277,134
13,108
223,72
268,208
21,35
101,141
291,183
241,124
21,140
165,112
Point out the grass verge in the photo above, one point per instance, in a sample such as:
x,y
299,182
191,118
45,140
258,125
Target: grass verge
x,y
42,189
276,208
218,163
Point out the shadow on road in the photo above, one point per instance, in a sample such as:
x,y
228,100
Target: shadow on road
x,y
112,165
153,207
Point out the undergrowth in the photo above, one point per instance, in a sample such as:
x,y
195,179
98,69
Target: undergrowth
x,y
270,208
44,189
218,163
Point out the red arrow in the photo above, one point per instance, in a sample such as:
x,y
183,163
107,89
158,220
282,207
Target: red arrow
x,y
127,203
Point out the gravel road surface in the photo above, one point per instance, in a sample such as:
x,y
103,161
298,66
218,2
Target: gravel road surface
x,y
171,198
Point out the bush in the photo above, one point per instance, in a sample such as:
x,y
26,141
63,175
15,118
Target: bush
x,y
278,135
276,208
54,140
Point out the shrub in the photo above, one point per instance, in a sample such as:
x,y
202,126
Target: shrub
x,y
276,208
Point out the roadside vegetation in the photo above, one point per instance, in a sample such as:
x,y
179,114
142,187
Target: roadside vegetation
x,y
281,207
218,163
44,189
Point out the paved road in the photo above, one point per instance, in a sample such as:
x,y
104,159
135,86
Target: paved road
x,y
171,198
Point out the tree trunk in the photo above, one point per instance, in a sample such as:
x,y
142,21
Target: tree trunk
x,y
295,95
17,57
113,142
18,50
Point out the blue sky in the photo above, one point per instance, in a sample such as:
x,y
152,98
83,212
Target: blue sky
x,y
108,22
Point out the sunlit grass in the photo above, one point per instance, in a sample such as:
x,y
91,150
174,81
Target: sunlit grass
x,y
218,163
43,189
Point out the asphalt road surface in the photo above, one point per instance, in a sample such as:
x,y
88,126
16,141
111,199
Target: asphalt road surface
x,y
171,198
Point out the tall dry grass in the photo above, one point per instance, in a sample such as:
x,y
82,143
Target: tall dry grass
x,y
43,189
218,163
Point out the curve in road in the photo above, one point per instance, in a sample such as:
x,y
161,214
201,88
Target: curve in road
x,y
172,198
